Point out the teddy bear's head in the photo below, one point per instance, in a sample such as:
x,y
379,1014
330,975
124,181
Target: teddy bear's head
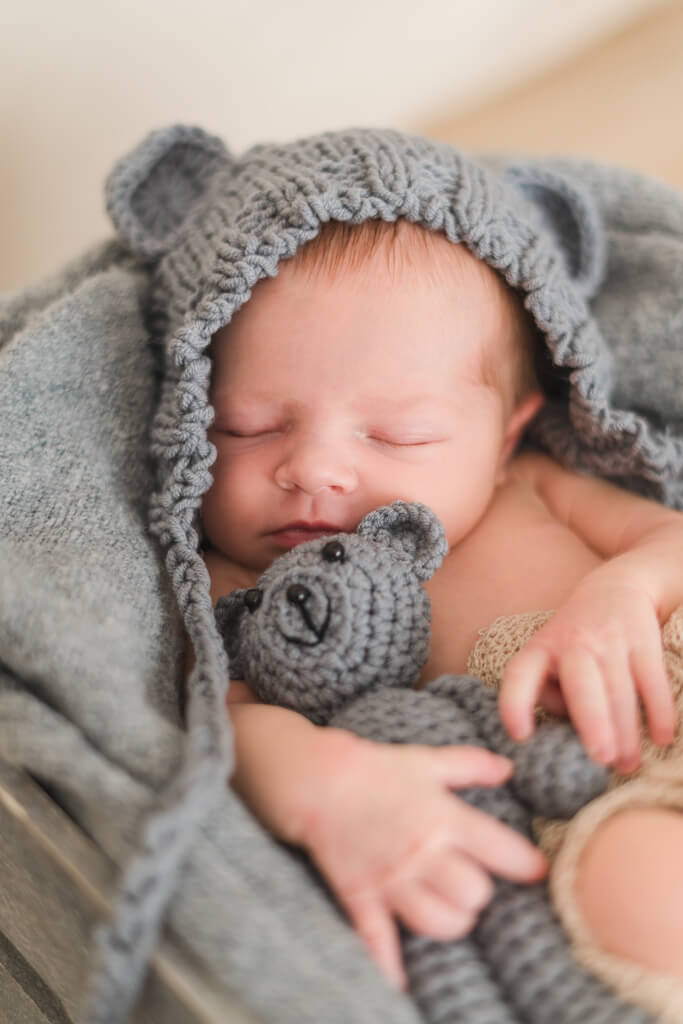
x,y
337,615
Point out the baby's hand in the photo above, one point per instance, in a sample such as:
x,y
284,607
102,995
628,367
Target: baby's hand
x,y
393,841
595,659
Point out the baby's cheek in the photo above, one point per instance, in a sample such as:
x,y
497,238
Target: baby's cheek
x,y
232,473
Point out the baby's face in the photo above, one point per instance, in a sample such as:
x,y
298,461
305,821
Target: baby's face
x,y
335,393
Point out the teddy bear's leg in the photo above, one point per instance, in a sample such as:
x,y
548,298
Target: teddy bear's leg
x,y
452,983
529,954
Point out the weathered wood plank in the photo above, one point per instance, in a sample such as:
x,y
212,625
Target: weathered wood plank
x,y
54,888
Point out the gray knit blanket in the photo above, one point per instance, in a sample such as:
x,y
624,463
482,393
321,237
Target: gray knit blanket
x,y
91,644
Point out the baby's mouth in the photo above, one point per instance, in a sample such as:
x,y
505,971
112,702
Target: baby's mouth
x,y
296,533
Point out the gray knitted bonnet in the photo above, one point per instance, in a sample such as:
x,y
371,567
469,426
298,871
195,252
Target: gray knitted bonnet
x,y
211,226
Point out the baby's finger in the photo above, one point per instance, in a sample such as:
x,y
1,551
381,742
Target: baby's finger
x,y
463,766
654,687
552,700
589,708
625,712
523,681
378,930
498,848
425,912
460,882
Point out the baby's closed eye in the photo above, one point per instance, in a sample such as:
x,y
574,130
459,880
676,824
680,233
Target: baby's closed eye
x,y
254,432
231,425
402,438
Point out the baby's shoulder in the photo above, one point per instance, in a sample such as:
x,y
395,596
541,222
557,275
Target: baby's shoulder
x,y
537,472
535,480
531,467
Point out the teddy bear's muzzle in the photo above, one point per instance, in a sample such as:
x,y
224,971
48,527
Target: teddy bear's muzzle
x,y
301,597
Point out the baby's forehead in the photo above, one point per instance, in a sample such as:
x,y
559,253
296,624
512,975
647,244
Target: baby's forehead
x,y
402,266
378,254
398,248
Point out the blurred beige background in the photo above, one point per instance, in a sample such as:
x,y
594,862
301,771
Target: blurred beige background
x,y
80,82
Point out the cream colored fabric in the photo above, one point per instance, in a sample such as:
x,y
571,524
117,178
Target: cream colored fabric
x,y
658,782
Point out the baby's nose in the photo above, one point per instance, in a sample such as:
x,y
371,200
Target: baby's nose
x,y
314,466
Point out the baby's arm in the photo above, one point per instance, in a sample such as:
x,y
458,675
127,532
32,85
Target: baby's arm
x,y
602,649
380,822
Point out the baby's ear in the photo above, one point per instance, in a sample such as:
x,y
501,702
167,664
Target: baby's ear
x,y
229,611
152,190
413,530
570,215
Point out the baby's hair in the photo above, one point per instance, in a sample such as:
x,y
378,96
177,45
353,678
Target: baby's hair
x,y
339,245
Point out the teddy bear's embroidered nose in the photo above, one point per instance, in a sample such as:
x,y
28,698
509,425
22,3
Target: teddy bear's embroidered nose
x,y
299,595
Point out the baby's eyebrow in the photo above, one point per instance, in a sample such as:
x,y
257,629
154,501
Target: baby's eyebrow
x,y
373,405
415,403
252,401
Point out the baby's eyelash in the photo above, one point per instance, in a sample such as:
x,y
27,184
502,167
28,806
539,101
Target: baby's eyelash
x,y
402,444
249,433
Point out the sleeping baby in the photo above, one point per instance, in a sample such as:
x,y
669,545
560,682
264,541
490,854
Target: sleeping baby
x,y
385,362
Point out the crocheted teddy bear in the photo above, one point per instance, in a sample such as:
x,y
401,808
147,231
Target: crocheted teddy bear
x,y
338,629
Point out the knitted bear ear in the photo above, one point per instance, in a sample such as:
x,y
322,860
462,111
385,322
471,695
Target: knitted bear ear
x,y
152,190
570,215
228,612
411,529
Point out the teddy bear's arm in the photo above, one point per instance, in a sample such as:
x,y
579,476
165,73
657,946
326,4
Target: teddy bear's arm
x,y
553,774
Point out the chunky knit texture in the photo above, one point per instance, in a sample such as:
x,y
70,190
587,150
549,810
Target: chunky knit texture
x,y
210,227
361,621
357,673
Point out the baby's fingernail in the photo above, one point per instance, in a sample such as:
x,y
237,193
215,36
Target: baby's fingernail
x,y
542,860
604,754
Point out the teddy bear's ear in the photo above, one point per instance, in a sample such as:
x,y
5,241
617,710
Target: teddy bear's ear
x,y
412,529
229,611
570,215
152,190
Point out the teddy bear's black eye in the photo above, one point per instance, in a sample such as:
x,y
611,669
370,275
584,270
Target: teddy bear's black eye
x,y
333,551
253,598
